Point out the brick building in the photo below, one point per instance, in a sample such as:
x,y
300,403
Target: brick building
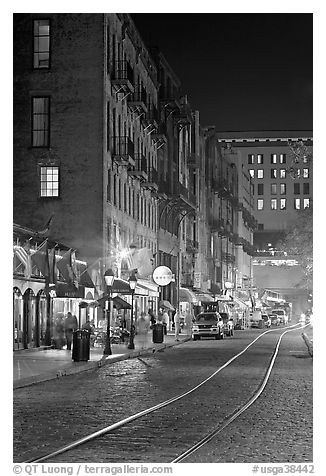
x,y
107,144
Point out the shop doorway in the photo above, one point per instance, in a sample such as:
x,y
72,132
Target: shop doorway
x,y
29,319
41,337
18,309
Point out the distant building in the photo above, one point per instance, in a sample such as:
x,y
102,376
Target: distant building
x,y
278,191
280,166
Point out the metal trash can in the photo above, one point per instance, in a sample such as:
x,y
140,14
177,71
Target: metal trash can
x,y
80,345
158,333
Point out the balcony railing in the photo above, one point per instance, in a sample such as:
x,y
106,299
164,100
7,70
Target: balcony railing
x,y
123,150
164,187
152,180
192,246
194,160
139,170
228,258
137,101
123,76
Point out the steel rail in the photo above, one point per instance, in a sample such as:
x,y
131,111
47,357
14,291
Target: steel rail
x,y
257,394
147,411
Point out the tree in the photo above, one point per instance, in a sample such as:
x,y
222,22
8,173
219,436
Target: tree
x,y
298,243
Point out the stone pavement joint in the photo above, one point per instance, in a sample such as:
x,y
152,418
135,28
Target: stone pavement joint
x,y
69,367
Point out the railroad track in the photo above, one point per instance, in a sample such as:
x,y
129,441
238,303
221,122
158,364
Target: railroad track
x,y
129,428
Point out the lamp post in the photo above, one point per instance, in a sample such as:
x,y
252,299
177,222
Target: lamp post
x,y
132,284
109,280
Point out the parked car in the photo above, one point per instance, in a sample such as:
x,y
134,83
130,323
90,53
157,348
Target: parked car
x,y
227,324
256,319
267,320
275,319
284,319
208,324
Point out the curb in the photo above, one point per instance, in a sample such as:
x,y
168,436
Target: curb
x,y
79,367
308,343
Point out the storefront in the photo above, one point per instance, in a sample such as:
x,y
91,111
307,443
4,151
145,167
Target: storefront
x,y
29,314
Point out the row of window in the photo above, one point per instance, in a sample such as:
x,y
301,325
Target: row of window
x,y
280,204
259,159
278,173
281,188
125,198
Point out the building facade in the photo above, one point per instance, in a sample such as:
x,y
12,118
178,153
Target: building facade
x,y
110,155
279,164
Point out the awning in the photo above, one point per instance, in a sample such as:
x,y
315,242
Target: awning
x,y
68,290
185,295
204,297
240,303
118,302
120,286
151,288
167,305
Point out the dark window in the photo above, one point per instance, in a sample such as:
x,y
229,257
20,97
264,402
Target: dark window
x,y
296,189
260,226
41,47
260,189
40,121
306,188
49,182
251,158
273,173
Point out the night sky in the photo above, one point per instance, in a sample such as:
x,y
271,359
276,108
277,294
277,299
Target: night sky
x,y
241,71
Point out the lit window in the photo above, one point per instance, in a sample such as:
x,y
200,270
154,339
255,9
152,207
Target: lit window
x,y
260,173
296,189
49,181
252,173
273,189
41,49
297,203
306,188
282,173
283,188
273,158
40,121
282,158
306,202
260,189
283,204
251,159
260,204
260,159
298,172
305,173
273,173
274,204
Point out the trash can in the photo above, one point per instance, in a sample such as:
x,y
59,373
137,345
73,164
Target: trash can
x,y
80,345
158,333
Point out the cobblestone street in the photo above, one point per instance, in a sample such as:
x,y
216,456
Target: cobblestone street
x,y
277,428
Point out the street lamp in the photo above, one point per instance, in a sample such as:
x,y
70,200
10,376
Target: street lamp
x,y
109,280
132,284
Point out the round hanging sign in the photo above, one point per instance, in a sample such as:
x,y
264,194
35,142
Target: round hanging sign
x,y
162,275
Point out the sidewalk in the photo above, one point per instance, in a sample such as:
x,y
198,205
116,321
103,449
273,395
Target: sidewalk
x,y
32,366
